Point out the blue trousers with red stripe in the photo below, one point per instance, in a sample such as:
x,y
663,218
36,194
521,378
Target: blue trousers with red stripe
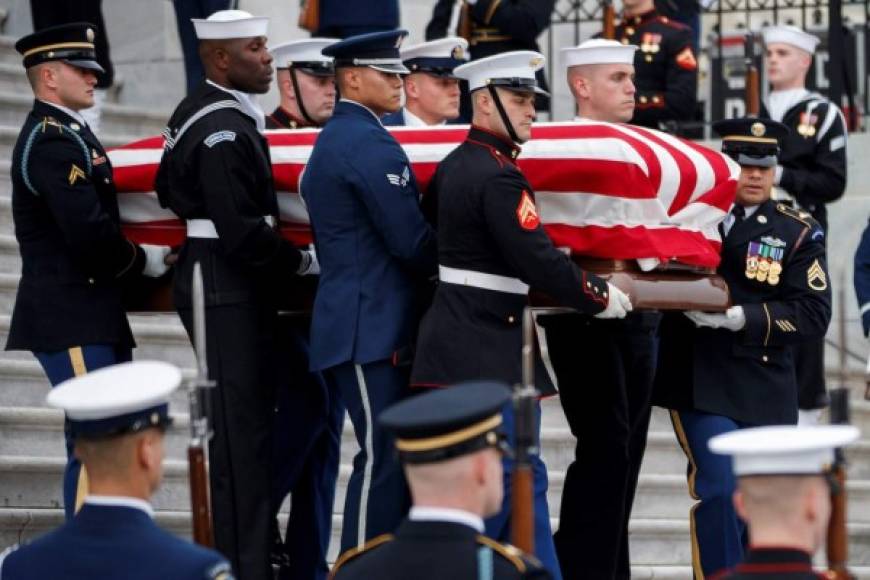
x,y
62,365
718,534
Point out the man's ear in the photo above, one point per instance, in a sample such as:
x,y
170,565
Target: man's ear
x,y
287,87
412,90
148,450
221,58
740,505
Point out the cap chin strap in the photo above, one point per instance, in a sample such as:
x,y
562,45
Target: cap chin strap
x,y
503,114
299,102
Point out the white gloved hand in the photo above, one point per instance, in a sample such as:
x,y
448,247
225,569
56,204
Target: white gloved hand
x,y
733,319
155,260
309,266
618,305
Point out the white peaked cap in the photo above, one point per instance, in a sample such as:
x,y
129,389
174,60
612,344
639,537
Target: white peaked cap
x,y
783,450
450,47
599,51
792,35
225,24
307,50
520,64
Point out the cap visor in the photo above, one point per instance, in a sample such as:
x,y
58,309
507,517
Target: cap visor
x,y
391,68
749,161
86,64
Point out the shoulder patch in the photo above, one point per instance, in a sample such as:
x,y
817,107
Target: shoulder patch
x,y
527,213
816,278
219,136
220,571
354,552
512,554
686,59
75,173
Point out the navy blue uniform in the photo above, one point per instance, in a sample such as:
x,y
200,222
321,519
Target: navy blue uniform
x,y
434,550
716,380
340,19
665,70
112,541
862,279
396,119
372,242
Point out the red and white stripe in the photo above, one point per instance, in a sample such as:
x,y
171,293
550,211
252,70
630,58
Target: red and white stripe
x,y
603,190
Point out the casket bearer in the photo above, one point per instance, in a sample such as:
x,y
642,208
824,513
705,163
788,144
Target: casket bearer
x,y
308,415
605,368
216,174
491,248
734,370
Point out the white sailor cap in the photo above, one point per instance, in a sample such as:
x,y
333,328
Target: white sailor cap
x,y
304,54
792,35
436,57
783,450
511,70
230,24
598,51
118,399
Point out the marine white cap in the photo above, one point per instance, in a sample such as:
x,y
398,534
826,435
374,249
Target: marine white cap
x,y
783,450
119,398
792,35
598,51
225,24
302,51
513,70
452,47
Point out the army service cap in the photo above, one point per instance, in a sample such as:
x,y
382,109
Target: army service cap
x,y
751,141
71,43
449,422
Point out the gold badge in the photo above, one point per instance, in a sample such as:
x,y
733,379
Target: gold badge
x,y
75,173
757,129
458,52
773,280
89,34
751,266
536,62
816,278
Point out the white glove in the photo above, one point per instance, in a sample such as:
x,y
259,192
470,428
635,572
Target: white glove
x,y
733,319
618,305
309,266
155,260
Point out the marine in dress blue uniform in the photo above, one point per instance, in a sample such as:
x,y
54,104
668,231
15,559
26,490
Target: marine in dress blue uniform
x,y
491,248
373,245
811,171
734,370
75,262
118,416
216,174
450,442
431,90
784,490
308,415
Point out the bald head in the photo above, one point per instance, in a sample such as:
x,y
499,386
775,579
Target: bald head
x,y
603,92
241,64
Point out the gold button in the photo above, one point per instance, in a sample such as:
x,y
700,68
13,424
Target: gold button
x,y
629,31
764,358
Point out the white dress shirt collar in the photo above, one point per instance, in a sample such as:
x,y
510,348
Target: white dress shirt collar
x,y
412,120
74,114
439,514
121,501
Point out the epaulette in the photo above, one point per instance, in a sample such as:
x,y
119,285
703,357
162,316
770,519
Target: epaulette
x,y
50,122
510,553
354,552
800,215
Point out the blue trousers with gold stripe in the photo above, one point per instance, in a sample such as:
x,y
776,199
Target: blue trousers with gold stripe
x,y
62,365
718,534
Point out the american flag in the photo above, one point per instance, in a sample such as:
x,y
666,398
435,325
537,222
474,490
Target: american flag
x,y
603,190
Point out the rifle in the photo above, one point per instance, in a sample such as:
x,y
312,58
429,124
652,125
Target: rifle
x,y
309,15
198,392
752,98
464,24
608,24
837,545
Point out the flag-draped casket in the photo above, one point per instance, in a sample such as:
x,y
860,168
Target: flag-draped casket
x,y
603,190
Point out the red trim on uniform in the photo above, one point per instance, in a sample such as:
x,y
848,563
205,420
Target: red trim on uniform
x,y
429,385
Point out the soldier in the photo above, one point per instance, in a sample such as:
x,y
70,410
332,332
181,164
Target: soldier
x,y
431,90
306,84
497,26
734,369
75,261
118,416
592,540
451,444
308,416
666,72
811,169
216,174
373,244
491,248
783,494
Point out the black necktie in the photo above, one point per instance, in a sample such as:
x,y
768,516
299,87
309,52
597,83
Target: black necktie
x,y
739,213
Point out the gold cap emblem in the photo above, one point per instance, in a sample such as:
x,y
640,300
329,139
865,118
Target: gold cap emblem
x,y
757,129
458,52
89,34
535,62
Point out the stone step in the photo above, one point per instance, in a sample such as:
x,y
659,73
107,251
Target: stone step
x,y
5,178
8,54
10,259
13,78
116,119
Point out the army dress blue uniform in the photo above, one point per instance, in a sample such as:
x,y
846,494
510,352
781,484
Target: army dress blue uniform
x,y
665,69
374,247
76,263
716,380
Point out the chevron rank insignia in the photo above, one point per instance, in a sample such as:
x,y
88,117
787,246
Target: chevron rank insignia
x,y
816,278
527,213
75,173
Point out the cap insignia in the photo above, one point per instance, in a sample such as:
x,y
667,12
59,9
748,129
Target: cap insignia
x,y
89,34
458,53
536,61
757,129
